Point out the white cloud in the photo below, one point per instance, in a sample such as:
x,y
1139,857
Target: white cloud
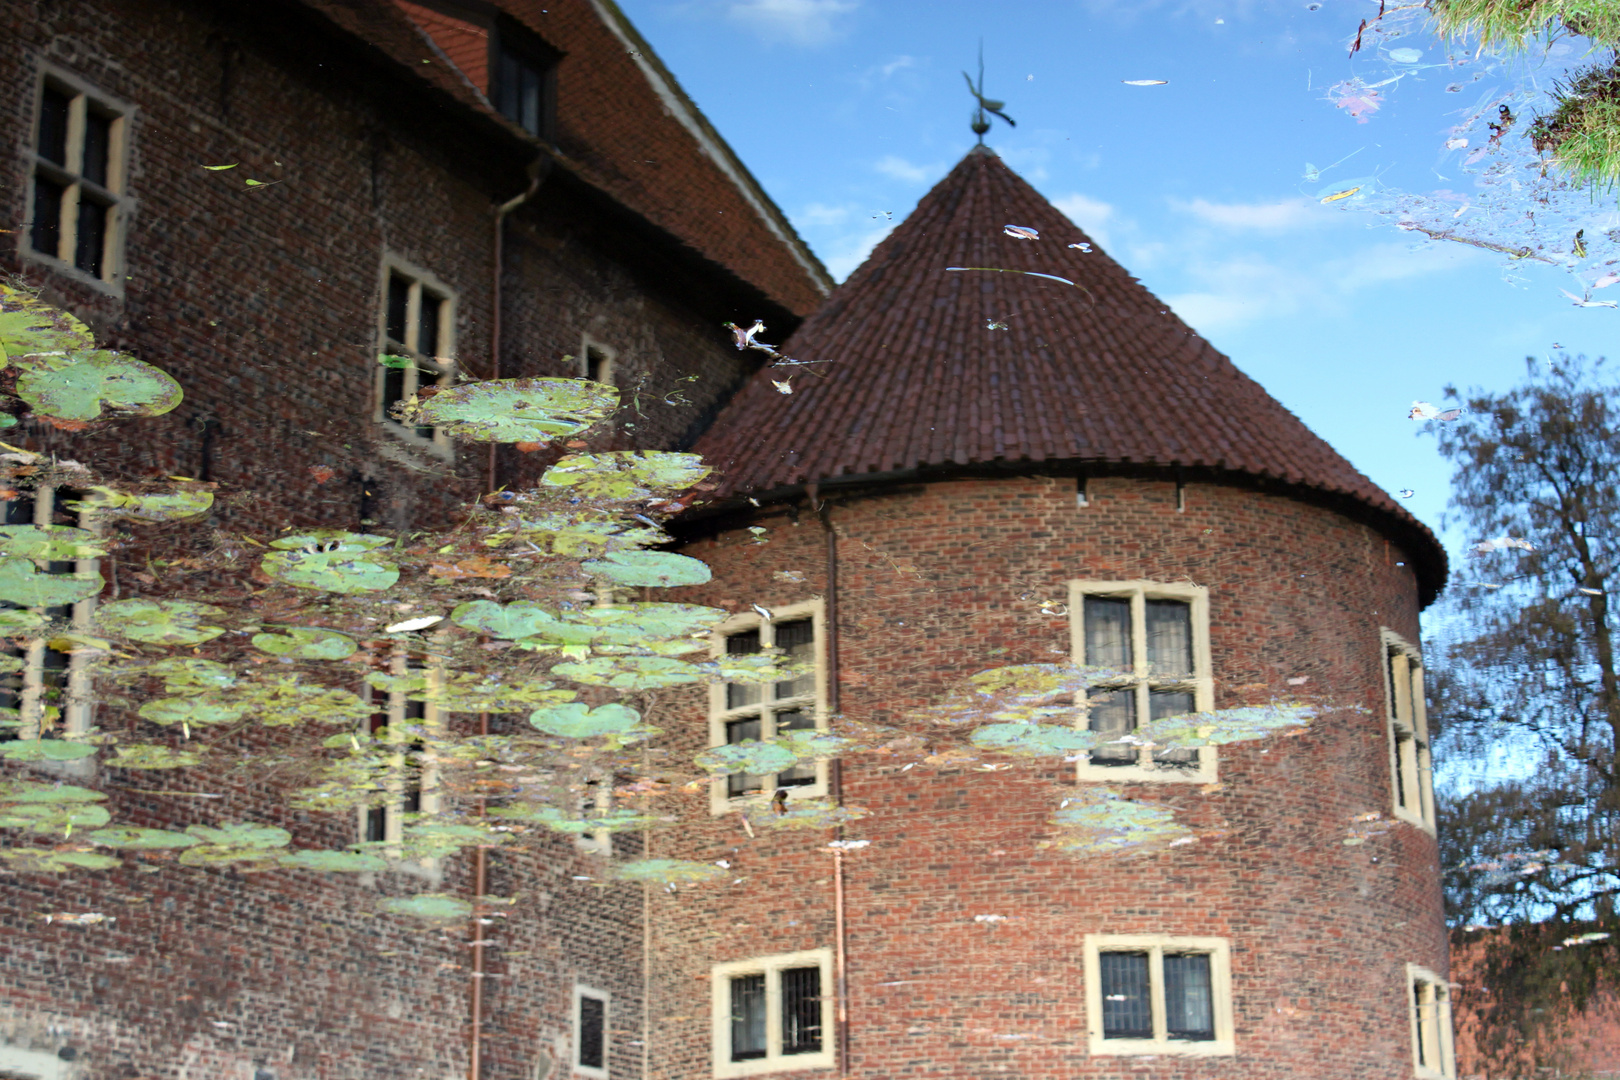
x,y
1092,215
896,64
1282,214
820,215
899,168
798,22
851,249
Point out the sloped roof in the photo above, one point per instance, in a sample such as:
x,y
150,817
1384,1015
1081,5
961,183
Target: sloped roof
x,y
623,126
931,367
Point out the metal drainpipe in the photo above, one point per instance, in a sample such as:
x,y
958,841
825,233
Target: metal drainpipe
x,y
835,781
475,993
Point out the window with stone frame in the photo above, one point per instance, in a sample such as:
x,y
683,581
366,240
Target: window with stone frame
x,y
1411,771
1429,1004
753,712
597,362
417,329
1156,634
591,1011
771,1014
1158,994
595,795
523,82
407,783
78,164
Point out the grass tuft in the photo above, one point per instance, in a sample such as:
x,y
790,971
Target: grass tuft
x,y
1514,24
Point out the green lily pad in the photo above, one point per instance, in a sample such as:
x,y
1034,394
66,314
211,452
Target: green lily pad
x,y
469,691
29,326
19,620
436,839
433,907
803,814
515,410
669,871
46,861
53,817
306,643
80,385
576,720
519,619
644,624
56,542
193,675
234,843
200,711
626,474
630,672
746,757
141,839
31,792
1102,822
45,750
662,569
333,862
172,506
331,571
1227,725
279,701
151,756
21,582
558,821
160,622
1034,740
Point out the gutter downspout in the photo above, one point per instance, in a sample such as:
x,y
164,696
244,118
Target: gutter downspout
x,y
537,171
835,781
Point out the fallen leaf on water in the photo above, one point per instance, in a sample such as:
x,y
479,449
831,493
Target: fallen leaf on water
x,y
220,168
419,623
478,566
321,473
1145,82
1021,232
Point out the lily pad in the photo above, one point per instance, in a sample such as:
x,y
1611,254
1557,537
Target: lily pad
x,y
55,542
669,871
433,907
45,750
151,756
333,862
31,792
626,474
21,582
576,720
18,620
279,701
661,569
141,839
29,326
171,506
746,757
53,817
558,821
1102,822
46,861
519,619
1227,725
200,711
436,839
306,643
193,675
469,691
1034,740
630,672
331,565
234,843
514,410
80,385
803,814
160,622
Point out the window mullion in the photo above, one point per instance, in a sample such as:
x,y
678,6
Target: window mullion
x,y
773,1013
74,158
1139,670
1161,1032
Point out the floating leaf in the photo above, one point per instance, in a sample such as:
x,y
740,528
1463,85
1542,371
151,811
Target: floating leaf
x,y
401,363
160,622
80,385
641,624
436,839
434,907
192,675
279,701
662,569
45,750
333,862
1034,740
242,835
172,506
332,560
553,818
514,410
630,672
577,720
746,757
802,814
1102,822
30,792
468,691
141,839
53,817
48,542
626,474
306,643
21,582
28,326
198,711
1227,725
16,620
43,861
519,619
668,871
151,756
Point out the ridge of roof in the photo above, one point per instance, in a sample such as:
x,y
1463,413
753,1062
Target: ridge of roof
x,y
959,345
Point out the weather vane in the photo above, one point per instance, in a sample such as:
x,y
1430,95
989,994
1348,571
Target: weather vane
x,y
980,124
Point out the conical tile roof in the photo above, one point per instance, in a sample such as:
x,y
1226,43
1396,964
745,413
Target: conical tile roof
x,y
934,368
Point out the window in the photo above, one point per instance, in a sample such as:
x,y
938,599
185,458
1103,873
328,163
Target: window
x,y
77,175
1158,634
596,797
523,88
417,325
1410,769
46,683
1156,994
771,1014
590,1031
408,781
1429,1003
743,712
597,362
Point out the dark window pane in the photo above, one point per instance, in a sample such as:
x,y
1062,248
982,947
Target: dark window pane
x,y
53,123
92,235
799,775
399,296
1169,638
740,694
46,234
393,389
1108,633
1422,1025
747,1017
97,144
427,332
529,100
507,88
740,731
1389,664
798,641
801,1010
1127,1006
376,825
596,364
1163,703
1113,712
1189,1003
592,1032
1400,772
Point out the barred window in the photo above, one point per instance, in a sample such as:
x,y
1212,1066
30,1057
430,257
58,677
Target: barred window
x,y
1157,994
591,1031
771,1014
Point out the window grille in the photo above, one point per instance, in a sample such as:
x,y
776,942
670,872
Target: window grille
x,y
417,329
592,1032
771,1014
1159,994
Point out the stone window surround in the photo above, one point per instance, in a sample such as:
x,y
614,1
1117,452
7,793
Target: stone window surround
x,y
1156,945
1436,1043
439,444
770,966
1411,774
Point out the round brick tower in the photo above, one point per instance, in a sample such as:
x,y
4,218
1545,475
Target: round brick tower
x,y
1014,454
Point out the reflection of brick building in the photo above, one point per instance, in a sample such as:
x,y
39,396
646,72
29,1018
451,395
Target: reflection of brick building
x,y
385,144
998,468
